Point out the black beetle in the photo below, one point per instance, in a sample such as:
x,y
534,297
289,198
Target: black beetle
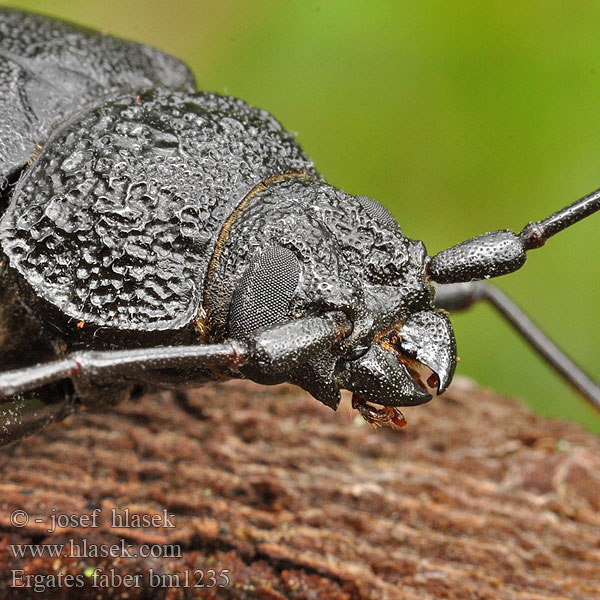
x,y
155,236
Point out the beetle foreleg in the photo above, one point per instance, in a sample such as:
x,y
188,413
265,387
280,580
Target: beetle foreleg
x,y
274,350
281,348
25,414
123,364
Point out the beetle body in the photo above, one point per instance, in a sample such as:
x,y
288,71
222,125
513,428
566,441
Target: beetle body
x,y
156,215
153,235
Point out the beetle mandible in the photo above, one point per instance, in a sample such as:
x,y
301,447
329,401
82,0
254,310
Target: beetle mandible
x,y
156,236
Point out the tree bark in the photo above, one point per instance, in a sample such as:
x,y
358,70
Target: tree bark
x,y
475,498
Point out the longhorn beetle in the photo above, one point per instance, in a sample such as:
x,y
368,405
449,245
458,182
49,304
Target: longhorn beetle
x,y
153,235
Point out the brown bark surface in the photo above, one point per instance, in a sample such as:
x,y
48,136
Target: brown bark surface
x,y
477,498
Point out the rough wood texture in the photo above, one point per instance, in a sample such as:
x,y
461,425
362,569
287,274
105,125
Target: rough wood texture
x,y
477,498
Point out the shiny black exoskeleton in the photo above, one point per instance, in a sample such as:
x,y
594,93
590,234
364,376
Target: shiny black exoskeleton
x,y
153,235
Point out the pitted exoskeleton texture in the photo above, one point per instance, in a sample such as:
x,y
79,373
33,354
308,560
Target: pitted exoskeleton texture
x,y
352,259
117,219
155,236
489,255
349,260
49,69
157,217
387,265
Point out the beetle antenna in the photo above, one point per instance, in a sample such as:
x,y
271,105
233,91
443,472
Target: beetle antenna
x,y
534,235
500,252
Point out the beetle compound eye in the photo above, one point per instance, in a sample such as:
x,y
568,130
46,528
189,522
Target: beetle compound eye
x,y
264,293
378,213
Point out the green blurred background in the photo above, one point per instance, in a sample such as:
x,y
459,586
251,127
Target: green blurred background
x,y
461,117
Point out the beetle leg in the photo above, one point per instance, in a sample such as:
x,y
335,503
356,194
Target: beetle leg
x,y
106,365
284,347
25,414
274,350
460,296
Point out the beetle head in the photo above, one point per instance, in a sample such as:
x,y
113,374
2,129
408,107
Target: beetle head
x,y
304,248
